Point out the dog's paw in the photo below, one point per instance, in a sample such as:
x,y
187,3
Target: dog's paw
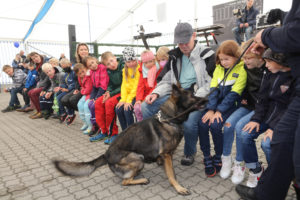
x,y
146,182
183,191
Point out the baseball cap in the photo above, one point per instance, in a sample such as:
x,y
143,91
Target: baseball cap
x,y
183,33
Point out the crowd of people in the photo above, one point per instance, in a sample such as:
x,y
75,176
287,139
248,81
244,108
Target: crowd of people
x,y
249,95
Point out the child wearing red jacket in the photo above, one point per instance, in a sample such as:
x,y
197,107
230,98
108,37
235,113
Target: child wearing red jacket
x,y
147,82
85,82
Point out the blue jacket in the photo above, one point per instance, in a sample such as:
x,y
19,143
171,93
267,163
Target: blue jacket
x,y
285,39
31,80
68,81
248,16
228,93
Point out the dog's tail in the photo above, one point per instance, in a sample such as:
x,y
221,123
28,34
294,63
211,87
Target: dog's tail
x,y
79,168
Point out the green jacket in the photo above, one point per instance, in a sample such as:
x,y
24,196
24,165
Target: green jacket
x,y
115,79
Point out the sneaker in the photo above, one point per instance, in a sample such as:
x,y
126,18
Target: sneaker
x,y
254,178
187,160
8,109
84,127
63,118
112,138
22,109
88,131
70,119
98,137
238,173
46,114
94,131
210,170
28,109
37,116
226,167
34,114
217,162
17,106
107,141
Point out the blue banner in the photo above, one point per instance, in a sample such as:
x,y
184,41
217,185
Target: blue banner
x,y
40,16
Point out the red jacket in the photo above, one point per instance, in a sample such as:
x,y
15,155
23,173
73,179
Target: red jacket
x,y
86,85
143,88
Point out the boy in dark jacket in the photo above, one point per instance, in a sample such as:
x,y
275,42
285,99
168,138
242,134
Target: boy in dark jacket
x,y
273,97
19,79
31,81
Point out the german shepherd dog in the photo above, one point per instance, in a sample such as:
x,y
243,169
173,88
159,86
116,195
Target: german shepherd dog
x,y
153,139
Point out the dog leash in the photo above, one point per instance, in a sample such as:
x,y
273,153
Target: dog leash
x,y
204,98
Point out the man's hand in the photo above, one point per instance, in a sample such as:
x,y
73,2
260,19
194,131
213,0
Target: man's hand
x,y
251,126
151,98
268,134
257,47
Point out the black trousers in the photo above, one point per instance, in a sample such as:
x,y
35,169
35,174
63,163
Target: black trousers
x,y
70,100
275,181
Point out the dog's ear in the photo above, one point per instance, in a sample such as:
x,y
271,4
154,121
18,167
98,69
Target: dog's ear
x,y
176,91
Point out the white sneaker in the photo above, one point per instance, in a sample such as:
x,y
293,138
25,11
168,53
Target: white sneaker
x,y
253,178
226,167
238,173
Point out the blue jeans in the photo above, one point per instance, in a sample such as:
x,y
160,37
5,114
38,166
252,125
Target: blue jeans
x,y
266,147
237,33
248,144
149,110
241,116
84,111
14,97
59,96
217,135
191,133
125,116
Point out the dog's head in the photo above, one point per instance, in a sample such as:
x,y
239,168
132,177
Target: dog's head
x,y
180,101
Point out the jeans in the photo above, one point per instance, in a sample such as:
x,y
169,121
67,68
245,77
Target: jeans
x,y
266,147
149,110
249,150
241,117
59,96
191,133
216,131
125,116
84,111
14,97
237,33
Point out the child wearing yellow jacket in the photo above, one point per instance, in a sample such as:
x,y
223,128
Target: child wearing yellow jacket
x,y
221,103
131,75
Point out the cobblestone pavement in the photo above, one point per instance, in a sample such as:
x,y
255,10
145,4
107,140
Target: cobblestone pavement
x,y
27,147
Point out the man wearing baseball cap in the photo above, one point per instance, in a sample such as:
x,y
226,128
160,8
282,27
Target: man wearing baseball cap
x,y
192,65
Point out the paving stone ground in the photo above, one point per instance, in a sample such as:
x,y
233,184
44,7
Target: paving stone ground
x,y
27,147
